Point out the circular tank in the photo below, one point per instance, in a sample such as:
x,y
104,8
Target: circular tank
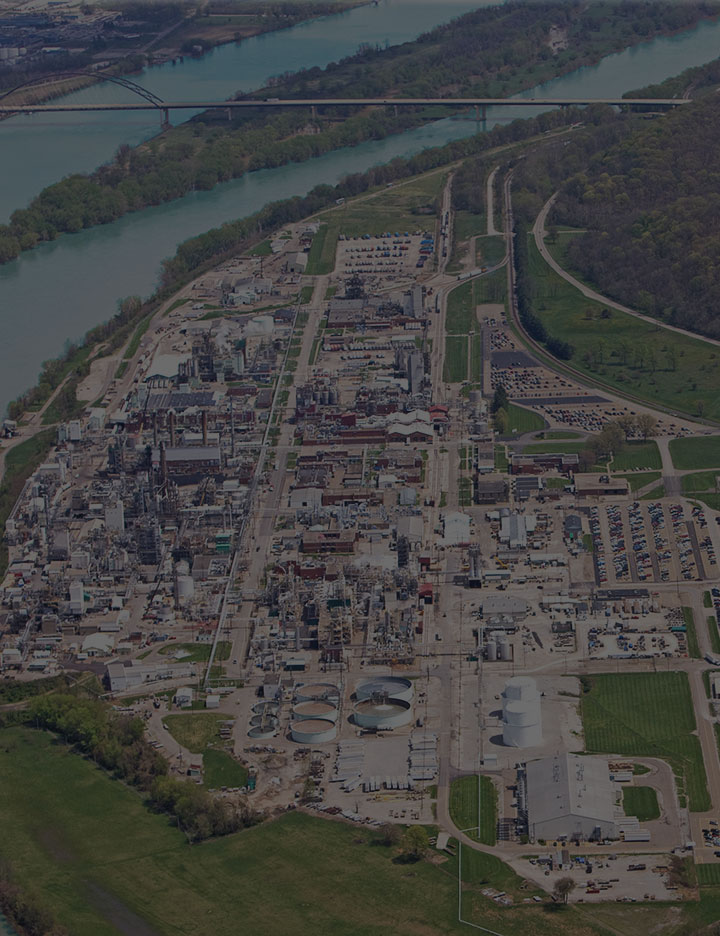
x,y
263,727
522,736
521,713
395,687
266,708
313,730
382,712
315,708
314,691
520,689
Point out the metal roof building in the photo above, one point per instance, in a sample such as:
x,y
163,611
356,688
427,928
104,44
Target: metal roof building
x,y
570,797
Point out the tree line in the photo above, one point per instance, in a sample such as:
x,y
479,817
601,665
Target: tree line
x,y
490,52
117,743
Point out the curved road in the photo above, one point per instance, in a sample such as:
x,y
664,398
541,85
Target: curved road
x,y
539,235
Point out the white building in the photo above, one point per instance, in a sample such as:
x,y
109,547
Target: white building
x,y
570,797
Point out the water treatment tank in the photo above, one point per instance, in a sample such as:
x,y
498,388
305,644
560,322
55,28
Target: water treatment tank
x,y
382,712
313,730
395,687
316,708
320,690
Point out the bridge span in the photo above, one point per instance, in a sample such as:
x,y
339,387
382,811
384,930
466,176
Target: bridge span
x,y
142,104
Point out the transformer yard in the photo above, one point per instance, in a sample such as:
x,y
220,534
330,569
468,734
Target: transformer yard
x,y
285,515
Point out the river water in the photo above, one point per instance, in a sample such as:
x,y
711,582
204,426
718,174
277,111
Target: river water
x,y
59,290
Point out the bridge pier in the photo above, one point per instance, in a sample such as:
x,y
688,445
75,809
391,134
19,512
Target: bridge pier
x,y
165,125
481,115
313,112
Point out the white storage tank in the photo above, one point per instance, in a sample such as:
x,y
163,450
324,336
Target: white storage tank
x,y
185,586
522,724
315,708
313,730
382,712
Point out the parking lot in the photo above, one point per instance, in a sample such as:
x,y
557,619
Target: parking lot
x,y
653,541
388,256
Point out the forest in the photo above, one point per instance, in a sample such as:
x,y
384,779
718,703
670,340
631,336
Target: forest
x,y
650,209
492,51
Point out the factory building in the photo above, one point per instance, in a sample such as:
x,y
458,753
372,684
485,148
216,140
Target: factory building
x,y
570,797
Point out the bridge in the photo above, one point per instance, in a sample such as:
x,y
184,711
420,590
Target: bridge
x,y
144,103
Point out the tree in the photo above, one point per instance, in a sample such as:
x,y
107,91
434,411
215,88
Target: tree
x,y
415,842
628,424
563,888
500,399
390,834
500,421
646,425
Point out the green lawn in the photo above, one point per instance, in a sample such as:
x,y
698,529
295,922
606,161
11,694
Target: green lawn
x,y
464,807
220,769
560,434
620,716
656,493
700,481
707,599
467,224
565,448
713,633
460,318
306,294
195,731
638,479
104,864
642,802
501,459
691,634
633,356
490,250
708,874
695,452
456,359
523,420
476,361
321,259
637,455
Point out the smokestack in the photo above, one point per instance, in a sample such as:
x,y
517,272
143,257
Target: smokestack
x,y
204,426
172,428
155,428
232,429
163,464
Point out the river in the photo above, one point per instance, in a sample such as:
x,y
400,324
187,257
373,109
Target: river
x,y
59,290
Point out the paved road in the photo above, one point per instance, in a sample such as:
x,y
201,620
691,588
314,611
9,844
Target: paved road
x,y
490,203
539,235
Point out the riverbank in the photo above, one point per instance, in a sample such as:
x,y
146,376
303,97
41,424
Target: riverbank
x,y
512,42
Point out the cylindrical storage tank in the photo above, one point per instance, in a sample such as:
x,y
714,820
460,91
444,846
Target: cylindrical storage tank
x,y
503,646
522,736
264,720
382,713
520,689
395,687
313,691
316,708
183,568
265,728
313,730
491,651
266,708
185,586
521,713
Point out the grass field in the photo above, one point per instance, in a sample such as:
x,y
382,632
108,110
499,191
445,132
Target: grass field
x,y
642,802
456,359
637,455
523,420
699,481
489,250
691,634
398,208
708,874
460,318
90,850
566,448
713,633
695,452
501,459
619,715
656,494
464,807
636,357
638,479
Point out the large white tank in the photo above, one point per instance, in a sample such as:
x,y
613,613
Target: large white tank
x,y
313,730
522,723
395,687
503,648
520,689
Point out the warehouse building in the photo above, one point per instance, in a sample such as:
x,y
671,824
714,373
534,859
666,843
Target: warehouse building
x,y
570,797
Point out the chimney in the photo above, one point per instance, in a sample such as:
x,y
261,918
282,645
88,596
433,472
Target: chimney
x,y
172,428
204,426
